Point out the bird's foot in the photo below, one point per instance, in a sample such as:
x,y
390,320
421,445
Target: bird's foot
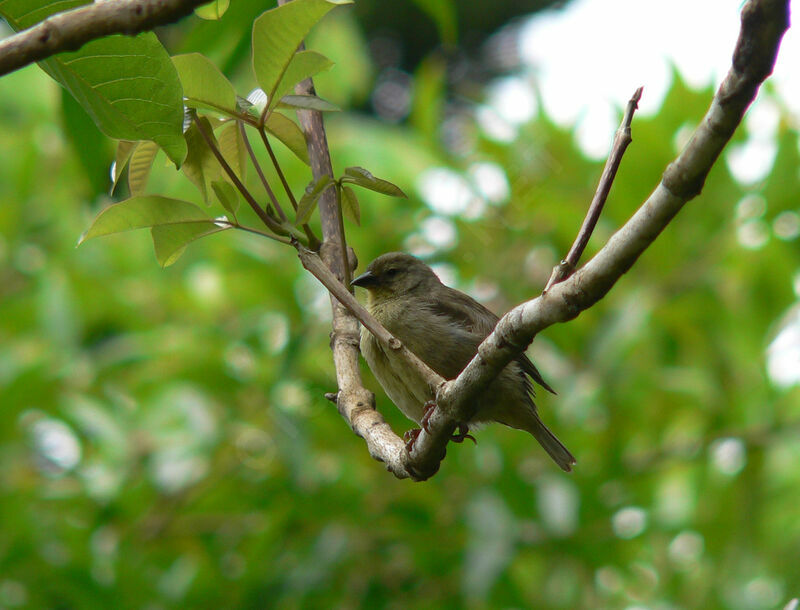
x,y
463,433
427,410
410,438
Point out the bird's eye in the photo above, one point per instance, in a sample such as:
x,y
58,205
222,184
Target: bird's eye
x,y
392,272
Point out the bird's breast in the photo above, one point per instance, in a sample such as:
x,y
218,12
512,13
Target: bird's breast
x,y
400,382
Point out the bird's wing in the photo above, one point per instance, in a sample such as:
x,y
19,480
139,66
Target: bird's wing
x,y
531,370
464,311
480,321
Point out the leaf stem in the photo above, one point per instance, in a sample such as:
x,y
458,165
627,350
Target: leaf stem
x,y
276,165
260,173
270,222
313,241
283,240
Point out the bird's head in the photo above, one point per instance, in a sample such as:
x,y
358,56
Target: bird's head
x,y
395,274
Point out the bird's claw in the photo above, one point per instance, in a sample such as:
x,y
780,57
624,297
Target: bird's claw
x,y
427,410
410,438
463,433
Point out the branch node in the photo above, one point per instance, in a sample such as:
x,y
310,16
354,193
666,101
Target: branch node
x,y
352,259
560,272
622,139
353,339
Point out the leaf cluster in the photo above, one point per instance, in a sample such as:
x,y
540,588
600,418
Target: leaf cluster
x,y
185,107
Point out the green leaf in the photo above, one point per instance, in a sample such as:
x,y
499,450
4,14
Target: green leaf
x,y
307,102
231,145
227,195
287,131
140,165
277,34
201,166
141,212
170,241
361,177
309,200
350,207
92,148
303,65
128,85
213,10
203,83
125,149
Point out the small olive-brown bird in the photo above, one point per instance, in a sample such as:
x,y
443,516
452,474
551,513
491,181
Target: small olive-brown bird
x,y
444,327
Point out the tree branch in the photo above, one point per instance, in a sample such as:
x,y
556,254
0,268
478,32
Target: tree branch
x,y
271,223
314,265
260,172
313,240
621,140
763,25
70,30
355,403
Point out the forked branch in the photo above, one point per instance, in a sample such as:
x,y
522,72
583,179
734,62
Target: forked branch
x,y
763,25
621,140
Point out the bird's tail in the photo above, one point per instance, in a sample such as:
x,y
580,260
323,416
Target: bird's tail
x,y
554,447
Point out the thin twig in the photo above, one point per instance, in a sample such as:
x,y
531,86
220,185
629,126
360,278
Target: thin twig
x,y
313,240
276,165
621,140
314,265
260,212
283,240
234,224
260,172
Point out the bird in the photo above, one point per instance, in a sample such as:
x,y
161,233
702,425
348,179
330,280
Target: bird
x,y
444,328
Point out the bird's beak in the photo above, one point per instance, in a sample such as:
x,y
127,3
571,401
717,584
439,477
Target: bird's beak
x,y
365,280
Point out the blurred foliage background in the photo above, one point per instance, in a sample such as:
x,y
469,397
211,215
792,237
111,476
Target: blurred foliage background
x,y
164,440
